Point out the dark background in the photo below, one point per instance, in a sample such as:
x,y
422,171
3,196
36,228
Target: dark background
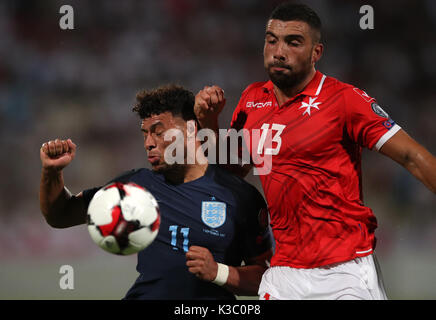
x,y
81,84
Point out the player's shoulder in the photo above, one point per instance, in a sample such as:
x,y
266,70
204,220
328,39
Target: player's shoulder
x,y
347,90
127,175
254,87
237,184
124,177
225,175
333,85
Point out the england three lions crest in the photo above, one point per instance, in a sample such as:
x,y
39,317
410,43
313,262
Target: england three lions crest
x,y
213,213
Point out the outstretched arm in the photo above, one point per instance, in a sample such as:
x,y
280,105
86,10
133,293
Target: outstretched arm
x,y
412,156
59,207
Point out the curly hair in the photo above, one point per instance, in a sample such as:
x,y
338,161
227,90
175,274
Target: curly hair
x,y
168,98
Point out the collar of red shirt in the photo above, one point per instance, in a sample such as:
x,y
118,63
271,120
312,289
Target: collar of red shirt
x,y
312,88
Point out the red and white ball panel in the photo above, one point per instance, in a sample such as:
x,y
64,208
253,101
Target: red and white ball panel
x,y
123,218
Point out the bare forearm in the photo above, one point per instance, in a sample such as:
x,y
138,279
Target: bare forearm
x,y
412,156
50,190
59,208
244,280
422,164
211,124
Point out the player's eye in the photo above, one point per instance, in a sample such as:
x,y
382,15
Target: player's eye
x,y
294,43
270,40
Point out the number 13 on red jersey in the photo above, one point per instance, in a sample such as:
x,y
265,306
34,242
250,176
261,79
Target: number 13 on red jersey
x,y
268,136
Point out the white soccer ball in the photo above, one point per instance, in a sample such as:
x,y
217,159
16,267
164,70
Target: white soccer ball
x,y
123,218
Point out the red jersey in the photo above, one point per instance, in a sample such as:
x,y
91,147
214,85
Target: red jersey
x,y
311,147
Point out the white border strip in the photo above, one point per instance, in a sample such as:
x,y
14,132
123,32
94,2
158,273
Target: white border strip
x,y
386,136
320,85
361,252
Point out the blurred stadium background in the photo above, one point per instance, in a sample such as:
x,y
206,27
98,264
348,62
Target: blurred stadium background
x,y
81,84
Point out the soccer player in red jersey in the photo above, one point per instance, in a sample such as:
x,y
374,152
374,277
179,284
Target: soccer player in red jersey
x,y
312,128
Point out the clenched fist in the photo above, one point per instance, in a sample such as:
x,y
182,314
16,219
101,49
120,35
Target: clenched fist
x,y
57,154
201,263
209,102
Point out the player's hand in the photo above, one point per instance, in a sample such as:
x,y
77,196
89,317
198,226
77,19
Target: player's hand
x,y
209,102
201,263
57,154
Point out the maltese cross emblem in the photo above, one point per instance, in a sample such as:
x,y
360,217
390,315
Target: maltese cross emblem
x,y
311,104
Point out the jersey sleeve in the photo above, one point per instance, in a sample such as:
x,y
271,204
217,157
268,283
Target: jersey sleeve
x,y
257,237
366,122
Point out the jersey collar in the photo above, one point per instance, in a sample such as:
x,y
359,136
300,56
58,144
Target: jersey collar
x,y
312,89
210,173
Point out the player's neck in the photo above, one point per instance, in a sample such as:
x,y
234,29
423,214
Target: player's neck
x,y
184,173
194,171
284,95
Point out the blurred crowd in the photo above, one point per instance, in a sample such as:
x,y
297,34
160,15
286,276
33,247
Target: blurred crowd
x,y
81,84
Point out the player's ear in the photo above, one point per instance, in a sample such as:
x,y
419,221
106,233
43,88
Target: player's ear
x,y
317,51
191,127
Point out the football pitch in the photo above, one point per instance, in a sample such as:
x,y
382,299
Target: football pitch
x,y
100,276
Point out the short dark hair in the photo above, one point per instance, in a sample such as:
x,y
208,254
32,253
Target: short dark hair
x,y
289,11
168,98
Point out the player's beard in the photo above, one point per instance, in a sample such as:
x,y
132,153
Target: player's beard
x,y
175,172
288,80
